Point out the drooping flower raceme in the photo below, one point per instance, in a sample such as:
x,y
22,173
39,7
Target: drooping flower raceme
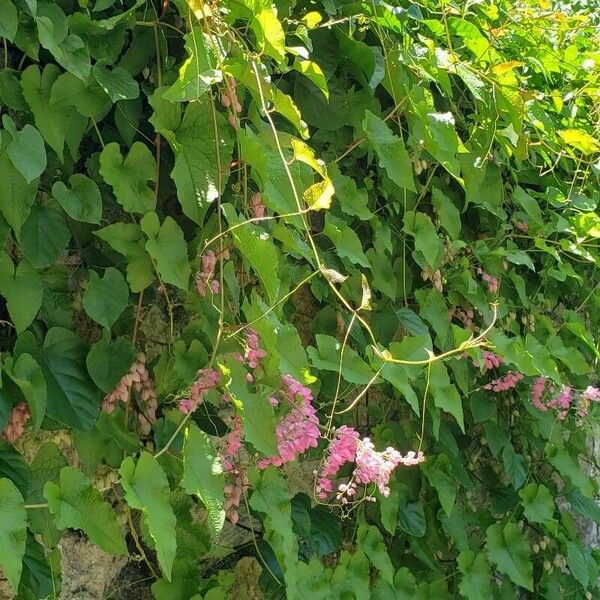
x,y
207,380
371,466
204,279
235,473
490,361
15,426
299,429
376,467
341,450
137,380
505,383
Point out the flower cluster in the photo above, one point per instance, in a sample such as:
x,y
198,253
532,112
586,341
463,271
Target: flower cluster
x,y
371,466
229,99
15,426
543,398
464,316
137,380
589,395
492,282
258,208
341,450
299,429
206,380
434,276
490,361
504,383
204,279
253,354
234,471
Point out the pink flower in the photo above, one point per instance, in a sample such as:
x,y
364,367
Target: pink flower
x,y
204,279
235,473
490,361
299,429
377,467
207,380
341,450
15,426
521,226
591,393
258,208
505,383
537,391
493,282
254,353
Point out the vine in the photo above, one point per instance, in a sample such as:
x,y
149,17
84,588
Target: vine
x,y
323,275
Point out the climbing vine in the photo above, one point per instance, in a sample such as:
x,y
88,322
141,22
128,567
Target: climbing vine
x,y
325,274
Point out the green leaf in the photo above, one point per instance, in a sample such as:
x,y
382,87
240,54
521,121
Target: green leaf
x,y
129,176
439,473
271,498
72,398
346,240
577,563
28,375
580,140
57,123
476,575
256,246
513,463
76,504
105,299
584,506
8,20
520,257
411,519
313,71
267,28
569,468
538,503
427,240
390,151
256,411
116,82
26,149
45,467
16,195
529,204
447,212
448,399
327,356
128,240
147,489
203,475
509,551
87,97
44,235
109,360
370,541
22,290
13,528
197,172
199,72
83,201
167,246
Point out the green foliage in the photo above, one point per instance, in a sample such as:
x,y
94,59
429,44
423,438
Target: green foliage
x,y
384,194
12,531
75,503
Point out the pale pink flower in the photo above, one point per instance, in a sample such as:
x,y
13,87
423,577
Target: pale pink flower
x,y
15,426
505,383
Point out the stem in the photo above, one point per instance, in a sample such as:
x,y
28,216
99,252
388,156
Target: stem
x,y
34,506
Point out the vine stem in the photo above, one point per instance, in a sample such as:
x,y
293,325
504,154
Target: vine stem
x,y
35,506
138,545
258,552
